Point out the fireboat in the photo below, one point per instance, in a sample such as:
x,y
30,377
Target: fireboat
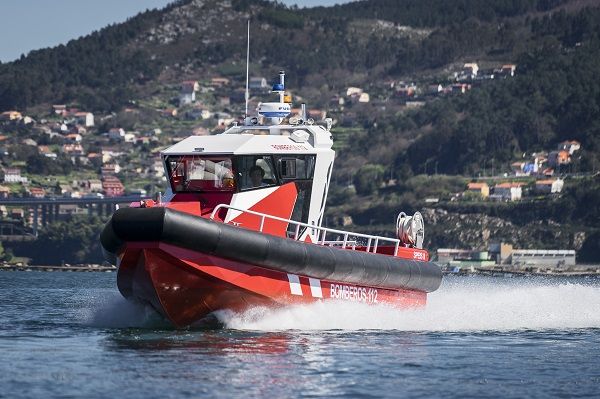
x,y
241,225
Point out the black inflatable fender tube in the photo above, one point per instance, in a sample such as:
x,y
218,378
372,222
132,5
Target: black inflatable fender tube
x,y
286,255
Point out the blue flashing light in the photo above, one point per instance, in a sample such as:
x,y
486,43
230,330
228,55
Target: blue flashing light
x,y
278,87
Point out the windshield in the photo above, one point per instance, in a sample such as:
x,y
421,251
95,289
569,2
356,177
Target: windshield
x,y
191,173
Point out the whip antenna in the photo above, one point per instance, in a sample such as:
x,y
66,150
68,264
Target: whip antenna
x,y
247,94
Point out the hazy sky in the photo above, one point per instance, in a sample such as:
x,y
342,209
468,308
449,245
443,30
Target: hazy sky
x,y
32,24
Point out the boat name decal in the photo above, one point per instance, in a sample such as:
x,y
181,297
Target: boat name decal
x,y
419,255
289,147
353,293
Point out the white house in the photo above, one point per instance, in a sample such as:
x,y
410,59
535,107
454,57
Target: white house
x,y
570,146
13,175
258,83
187,95
129,137
353,91
85,118
549,186
507,191
471,69
116,133
435,88
364,98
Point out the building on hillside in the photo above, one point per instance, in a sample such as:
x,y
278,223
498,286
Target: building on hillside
x,y
353,91
85,118
570,146
507,191
112,187
109,153
59,109
94,185
481,189
157,169
169,113
460,88
11,116
258,83
110,169
66,210
470,69
187,94
435,88
549,186
30,142
364,98
558,158
17,213
219,82
73,149
508,70
406,90
74,138
37,192
116,133
13,175
517,168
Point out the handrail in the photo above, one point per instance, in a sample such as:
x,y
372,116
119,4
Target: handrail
x,y
320,239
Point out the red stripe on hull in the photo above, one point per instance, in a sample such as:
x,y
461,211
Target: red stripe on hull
x,y
185,285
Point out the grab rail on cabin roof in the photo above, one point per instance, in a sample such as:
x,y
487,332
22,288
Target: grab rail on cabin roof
x,y
324,230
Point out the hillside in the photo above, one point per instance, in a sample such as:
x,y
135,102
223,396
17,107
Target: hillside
x,y
537,87
361,44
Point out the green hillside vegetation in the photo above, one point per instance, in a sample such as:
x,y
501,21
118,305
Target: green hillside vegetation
x,y
554,97
389,157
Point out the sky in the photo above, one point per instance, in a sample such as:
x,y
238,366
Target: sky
x,y
27,25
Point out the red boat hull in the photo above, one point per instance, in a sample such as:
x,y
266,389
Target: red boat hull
x,y
185,285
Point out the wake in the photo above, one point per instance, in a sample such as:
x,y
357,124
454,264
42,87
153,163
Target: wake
x,y
460,305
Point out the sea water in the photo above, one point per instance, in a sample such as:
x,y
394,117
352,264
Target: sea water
x,y
72,335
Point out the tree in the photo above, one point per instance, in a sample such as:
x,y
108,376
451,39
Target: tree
x,y
368,178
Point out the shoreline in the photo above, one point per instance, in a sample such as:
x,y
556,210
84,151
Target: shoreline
x,y
546,271
59,268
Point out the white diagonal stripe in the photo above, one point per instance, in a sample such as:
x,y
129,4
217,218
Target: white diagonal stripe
x,y
295,287
315,287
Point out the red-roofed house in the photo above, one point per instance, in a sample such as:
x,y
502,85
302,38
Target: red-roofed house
x,y
479,188
37,192
557,158
73,149
113,187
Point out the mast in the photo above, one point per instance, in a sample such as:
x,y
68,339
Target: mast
x,y
247,94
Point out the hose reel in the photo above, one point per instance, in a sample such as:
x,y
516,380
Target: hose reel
x,y
410,230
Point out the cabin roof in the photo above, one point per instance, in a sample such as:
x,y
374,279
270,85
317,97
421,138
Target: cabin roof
x,y
239,144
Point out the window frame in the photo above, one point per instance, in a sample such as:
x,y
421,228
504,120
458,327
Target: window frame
x,y
236,159
168,159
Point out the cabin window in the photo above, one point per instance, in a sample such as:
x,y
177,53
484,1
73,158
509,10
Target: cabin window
x,y
255,171
296,167
288,168
190,173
